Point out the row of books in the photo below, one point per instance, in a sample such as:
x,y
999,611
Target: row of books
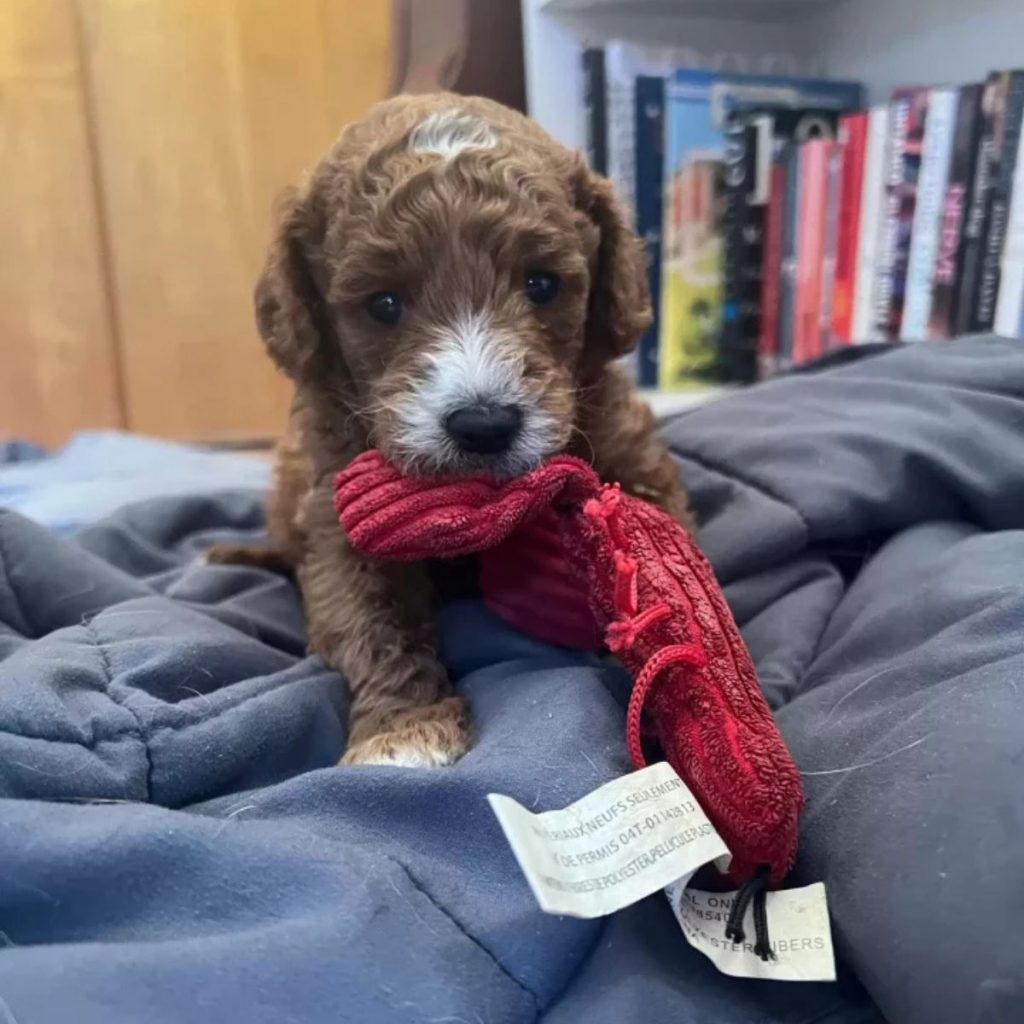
x,y
782,219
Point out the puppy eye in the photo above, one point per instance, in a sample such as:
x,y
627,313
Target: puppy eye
x,y
384,307
541,287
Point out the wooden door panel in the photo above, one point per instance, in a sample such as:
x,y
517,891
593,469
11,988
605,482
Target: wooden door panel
x,y
204,111
58,370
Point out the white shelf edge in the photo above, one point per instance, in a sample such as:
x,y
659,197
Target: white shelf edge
x,y
753,10
669,403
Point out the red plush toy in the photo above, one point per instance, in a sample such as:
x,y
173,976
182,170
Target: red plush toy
x,y
638,577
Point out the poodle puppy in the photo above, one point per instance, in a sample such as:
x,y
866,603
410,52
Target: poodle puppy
x,y
455,288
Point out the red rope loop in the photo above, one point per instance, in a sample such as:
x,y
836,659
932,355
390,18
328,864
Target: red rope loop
x,y
677,654
605,508
623,633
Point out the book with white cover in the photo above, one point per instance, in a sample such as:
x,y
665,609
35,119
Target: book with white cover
x,y
623,64
872,209
931,189
1010,306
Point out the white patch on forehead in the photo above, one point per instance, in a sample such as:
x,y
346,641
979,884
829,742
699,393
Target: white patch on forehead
x,y
471,363
448,132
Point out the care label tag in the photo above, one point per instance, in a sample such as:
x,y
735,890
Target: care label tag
x,y
617,845
798,928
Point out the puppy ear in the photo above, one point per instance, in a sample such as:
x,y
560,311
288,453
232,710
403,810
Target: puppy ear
x,y
620,306
291,315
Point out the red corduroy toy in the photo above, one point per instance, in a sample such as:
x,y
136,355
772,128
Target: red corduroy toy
x,y
570,560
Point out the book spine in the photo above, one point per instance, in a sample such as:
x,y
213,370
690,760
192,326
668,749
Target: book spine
x,y
691,271
736,172
949,256
621,126
870,232
1010,305
650,145
975,224
1014,247
595,114
910,108
1005,161
742,239
810,251
788,263
931,190
899,114
771,268
852,141
833,189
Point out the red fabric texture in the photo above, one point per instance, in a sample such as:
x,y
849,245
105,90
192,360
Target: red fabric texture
x,y
528,581
651,595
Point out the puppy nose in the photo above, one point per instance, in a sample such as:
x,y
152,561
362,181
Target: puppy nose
x,y
484,429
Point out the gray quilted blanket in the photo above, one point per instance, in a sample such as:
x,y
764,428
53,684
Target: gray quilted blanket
x,y
177,843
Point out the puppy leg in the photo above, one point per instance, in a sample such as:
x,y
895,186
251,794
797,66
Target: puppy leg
x,y
619,433
284,519
374,623
253,557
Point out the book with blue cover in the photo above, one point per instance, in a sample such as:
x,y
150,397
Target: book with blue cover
x,y
700,107
595,116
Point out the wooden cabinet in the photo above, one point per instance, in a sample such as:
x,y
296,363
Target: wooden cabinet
x,y
58,359
142,143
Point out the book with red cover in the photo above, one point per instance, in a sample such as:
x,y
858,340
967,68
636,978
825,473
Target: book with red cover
x,y
828,263
812,215
771,272
853,136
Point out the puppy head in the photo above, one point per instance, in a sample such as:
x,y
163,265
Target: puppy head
x,y
447,282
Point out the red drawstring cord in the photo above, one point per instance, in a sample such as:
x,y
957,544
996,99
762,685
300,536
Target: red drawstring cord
x,y
628,625
677,654
622,633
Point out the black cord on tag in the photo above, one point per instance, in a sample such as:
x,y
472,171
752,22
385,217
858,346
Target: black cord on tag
x,y
762,943
754,890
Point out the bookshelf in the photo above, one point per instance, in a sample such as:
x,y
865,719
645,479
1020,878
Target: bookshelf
x,y
881,43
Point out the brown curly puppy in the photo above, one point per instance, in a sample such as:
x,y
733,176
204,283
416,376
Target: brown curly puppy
x,y
451,286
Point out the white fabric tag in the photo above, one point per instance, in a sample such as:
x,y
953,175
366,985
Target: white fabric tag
x,y
615,846
798,928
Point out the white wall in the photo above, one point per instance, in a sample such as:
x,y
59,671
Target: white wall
x,y
554,79
886,43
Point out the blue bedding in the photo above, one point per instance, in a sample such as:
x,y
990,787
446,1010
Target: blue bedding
x,y
98,473
178,844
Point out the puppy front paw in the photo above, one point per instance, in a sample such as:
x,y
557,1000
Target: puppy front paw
x,y
249,556
429,737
